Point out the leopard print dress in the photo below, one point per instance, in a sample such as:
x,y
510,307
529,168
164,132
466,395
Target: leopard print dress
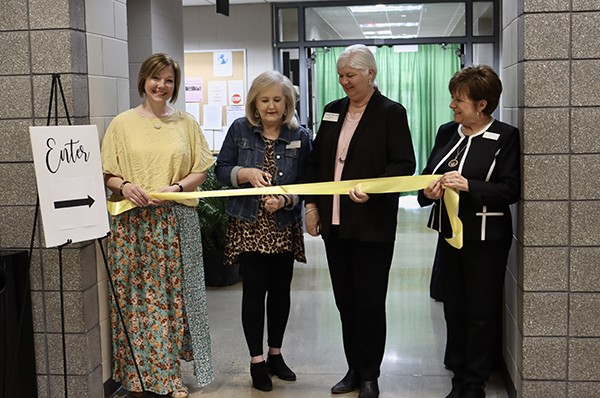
x,y
263,235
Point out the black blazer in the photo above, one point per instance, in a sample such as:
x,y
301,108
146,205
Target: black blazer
x,y
380,147
491,164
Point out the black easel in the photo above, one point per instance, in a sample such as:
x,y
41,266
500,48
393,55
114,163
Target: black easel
x,y
56,86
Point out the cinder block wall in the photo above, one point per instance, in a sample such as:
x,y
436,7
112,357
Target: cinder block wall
x,y
37,39
551,59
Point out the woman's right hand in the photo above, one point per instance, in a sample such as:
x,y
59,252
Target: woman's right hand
x,y
313,221
256,177
434,191
136,194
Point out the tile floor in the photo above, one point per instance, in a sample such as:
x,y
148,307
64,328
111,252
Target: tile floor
x,y
412,366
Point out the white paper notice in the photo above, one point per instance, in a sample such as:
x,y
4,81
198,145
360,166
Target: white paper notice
x,y
234,112
222,63
193,108
236,92
193,89
219,137
213,116
217,92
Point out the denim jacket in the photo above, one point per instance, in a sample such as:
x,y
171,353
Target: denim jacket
x,y
244,147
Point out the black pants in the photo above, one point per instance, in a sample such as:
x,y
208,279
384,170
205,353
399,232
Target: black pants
x,y
359,275
473,279
267,275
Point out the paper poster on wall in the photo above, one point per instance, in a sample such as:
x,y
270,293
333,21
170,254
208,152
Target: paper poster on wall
x,y
194,90
218,138
222,63
209,135
217,92
213,115
70,184
193,108
236,92
234,112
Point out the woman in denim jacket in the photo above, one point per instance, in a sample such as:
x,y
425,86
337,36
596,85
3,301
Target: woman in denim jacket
x,y
265,235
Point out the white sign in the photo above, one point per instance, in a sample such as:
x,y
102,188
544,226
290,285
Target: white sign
x,y
222,63
236,92
234,112
213,116
193,108
70,184
217,92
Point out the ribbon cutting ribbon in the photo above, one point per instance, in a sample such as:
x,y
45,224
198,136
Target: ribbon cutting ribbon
x,y
371,185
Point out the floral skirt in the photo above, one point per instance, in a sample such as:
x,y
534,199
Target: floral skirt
x,y
155,260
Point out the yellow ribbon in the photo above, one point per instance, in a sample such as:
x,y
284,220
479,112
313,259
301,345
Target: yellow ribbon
x,y
371,185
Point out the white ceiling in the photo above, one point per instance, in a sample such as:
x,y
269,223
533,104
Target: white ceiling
x,y
417,20
213,2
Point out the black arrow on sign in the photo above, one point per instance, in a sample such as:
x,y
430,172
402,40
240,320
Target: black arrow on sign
x,y
74,203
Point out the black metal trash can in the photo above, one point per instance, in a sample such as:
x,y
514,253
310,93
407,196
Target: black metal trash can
x,y
17,351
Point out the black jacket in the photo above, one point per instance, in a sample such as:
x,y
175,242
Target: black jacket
x,y
491,164
380,147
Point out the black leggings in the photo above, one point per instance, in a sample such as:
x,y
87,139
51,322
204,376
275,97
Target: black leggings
x,y
265,275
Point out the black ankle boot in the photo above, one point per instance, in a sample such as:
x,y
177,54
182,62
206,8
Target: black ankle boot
x,y
456,388
260,376
369,389
348,383
278,367
472,391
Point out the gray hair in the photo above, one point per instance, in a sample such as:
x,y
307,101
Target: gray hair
x,y
267,79
358,56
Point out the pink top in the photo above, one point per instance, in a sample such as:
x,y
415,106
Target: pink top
x,y
348,129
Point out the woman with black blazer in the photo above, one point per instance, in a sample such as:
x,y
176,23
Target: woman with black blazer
x,y
363,135
479,157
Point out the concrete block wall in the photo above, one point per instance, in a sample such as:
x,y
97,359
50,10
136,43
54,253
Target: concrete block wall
x,y
550,61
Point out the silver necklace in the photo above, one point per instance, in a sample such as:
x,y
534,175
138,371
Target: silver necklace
x,y
454,162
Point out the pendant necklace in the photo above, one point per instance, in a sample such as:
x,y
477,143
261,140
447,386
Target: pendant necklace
x,y
454,162
344,153
151,115
353,118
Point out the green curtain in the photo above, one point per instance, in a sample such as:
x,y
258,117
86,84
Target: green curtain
x,y
417,80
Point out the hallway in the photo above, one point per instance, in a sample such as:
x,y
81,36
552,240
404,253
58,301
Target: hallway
x,y
412,366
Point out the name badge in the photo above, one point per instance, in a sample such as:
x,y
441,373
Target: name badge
x,y
293,145
331,117
491,136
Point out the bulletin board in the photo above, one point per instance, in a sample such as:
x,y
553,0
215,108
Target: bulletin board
x,y
215,86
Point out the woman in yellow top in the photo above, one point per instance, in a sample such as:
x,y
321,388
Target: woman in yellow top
x,y
155,254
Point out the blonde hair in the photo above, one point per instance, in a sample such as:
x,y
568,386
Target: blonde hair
x,y
153,65
267,79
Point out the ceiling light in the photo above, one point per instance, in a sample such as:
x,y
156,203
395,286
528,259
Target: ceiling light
x,y
388,25
379,32
386,8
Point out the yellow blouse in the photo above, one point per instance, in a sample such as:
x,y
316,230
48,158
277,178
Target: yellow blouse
x,y
154,153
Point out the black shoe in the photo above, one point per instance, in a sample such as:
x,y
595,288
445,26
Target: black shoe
x,y
456,387
260,376
369,389
472,391
348,384
278,367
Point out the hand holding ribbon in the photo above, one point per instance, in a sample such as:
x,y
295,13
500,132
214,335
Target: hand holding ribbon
x,y
368,186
